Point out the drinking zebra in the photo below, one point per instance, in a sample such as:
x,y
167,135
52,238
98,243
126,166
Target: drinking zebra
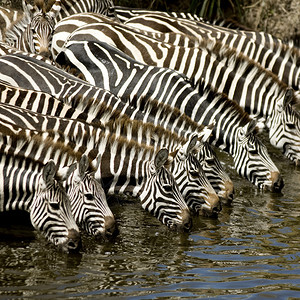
x,y
255,89
233,131
27,184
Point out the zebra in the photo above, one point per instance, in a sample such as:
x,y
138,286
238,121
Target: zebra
x,y
214,66
33,32
233,132
124,167
8,16
29,185
125,14
69,24
66,87
187,171
282,61
88,200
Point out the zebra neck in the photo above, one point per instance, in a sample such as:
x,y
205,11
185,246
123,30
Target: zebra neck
x,y
20,178
123,170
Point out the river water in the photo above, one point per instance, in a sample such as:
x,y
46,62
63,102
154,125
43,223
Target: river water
x,y
251,251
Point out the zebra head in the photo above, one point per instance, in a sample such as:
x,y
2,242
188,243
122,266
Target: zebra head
x,y
88,201
160,195
211,165
192,182
284,127
251,160
51,214
37,36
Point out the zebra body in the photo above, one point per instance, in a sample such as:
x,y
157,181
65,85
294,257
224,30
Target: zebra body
x,y
230,133
255,89
124,167
27,184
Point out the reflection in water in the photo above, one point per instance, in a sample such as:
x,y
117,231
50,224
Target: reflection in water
x,y
252,249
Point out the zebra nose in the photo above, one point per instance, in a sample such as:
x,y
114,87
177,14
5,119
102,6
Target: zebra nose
x,y
186,224
277,182
227,193
110,226
74,240
229,190
214,207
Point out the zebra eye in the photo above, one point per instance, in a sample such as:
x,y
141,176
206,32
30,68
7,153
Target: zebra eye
x,y
54,206
253,151
89,196
194,174
290,125
168,188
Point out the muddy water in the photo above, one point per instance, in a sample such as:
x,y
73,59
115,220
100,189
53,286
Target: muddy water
x,y
252,251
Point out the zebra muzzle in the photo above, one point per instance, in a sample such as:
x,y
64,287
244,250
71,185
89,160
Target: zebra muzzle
x,y
73,242
277,182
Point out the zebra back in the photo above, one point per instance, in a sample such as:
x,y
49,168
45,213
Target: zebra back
x,y
28,184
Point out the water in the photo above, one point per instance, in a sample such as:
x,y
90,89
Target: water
x,y
252,251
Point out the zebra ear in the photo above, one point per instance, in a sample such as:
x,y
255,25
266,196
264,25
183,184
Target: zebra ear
x,y
55,9
27,8
190,145
83,165
288,97
161,158
250,127
49,171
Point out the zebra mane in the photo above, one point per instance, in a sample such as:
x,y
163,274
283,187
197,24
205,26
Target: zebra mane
x,y
294,52
104,111
126,126
73,71
145,103
210,93
242,63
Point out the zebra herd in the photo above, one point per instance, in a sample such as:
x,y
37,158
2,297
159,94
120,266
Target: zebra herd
x,y
99,100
